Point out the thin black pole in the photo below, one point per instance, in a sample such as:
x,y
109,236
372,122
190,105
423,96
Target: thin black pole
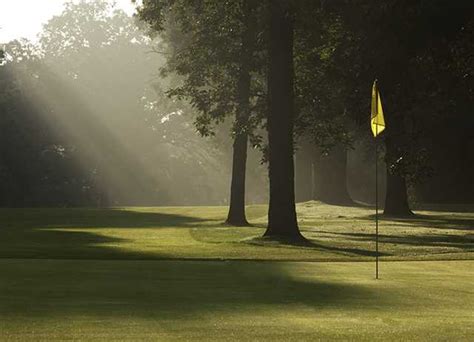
x,y
376,211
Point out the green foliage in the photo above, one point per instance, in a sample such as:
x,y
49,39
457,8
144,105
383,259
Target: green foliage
x,y
203,44
414,49
321,84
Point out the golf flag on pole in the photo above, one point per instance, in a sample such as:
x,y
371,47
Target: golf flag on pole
x,y
377,124
377,121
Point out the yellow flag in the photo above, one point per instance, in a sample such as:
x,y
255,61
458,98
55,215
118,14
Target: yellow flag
x,y
377,122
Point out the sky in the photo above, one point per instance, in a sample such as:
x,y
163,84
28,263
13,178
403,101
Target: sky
x,y
24,18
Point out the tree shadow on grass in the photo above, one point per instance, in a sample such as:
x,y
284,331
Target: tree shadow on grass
x,y
350,250
69,233
459,222
313,244
169,289
433,240
163,290
446,208
92,218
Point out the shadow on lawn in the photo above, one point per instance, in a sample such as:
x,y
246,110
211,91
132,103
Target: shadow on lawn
x,y
446,208
458,222
170,289
69,233
313,244
92,218
349,250
49,233
441,222
438,240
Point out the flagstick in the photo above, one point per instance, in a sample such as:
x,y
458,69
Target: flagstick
x,y
376,114
376,210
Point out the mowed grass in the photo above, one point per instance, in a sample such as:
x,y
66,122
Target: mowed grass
x,y
128,274
100,300
335,233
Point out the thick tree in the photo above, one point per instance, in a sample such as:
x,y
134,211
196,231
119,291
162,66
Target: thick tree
x,y
236,215
282,221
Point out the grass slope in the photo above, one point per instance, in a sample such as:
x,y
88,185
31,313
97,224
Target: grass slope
x,y
335,233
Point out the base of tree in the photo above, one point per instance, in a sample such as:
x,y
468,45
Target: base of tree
x,y
399,214
237,222
288,239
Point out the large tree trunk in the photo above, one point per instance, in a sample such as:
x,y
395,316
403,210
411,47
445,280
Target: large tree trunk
x,y
396,198
236,215
331,177
396,201
395,137
282,213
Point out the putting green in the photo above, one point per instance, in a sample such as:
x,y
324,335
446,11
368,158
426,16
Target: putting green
x,y
208,300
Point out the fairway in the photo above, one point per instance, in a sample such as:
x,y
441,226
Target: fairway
x,y
179,273
334,233
46,300
236,170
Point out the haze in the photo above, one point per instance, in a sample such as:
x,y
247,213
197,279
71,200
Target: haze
x,y
236,170
24,18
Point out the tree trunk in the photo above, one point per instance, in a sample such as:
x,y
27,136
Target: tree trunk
x,y
396,201
331,177
236,215
396,198
282,220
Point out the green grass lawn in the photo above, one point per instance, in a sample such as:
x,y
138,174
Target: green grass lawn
x,y
236,300
335,233
180,274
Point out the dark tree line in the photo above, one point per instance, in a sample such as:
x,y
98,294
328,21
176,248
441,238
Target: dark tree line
x,y
290,79
314,62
